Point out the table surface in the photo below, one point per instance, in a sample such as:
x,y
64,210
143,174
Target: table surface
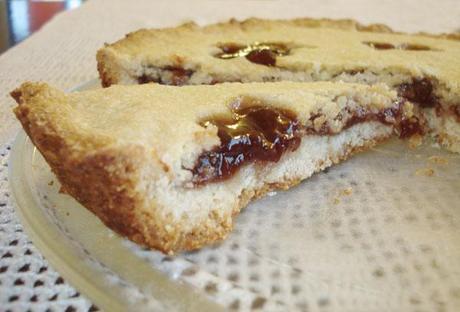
x,y
62,52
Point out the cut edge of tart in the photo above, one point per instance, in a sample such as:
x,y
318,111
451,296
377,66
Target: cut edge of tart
x,y
423,68
170,168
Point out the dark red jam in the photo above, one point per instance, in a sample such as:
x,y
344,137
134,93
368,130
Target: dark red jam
x,y
404,126
263,134
259,53
254,133
231,48
419,91
264,57
178,77
414,47
403,46
380,45
145,79
456,111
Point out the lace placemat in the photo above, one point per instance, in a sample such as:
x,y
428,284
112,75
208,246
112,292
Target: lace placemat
x,y
26,280
62,53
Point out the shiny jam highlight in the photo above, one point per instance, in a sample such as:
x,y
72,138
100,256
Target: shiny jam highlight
x,y
258,53
253,134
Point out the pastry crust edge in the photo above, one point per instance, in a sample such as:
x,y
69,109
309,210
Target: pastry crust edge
x,y
110,71
106,184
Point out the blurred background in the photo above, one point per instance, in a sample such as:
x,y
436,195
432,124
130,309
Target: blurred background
x,y
20,18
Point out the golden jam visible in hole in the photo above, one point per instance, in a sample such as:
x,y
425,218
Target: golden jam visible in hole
x,y
254,133
403,46
259,53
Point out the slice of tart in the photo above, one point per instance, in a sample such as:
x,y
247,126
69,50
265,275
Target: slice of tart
x,y
170,167
425,69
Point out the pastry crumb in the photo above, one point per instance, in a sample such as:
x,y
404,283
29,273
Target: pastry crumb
x,y
345,192
415,141
438,160
427,172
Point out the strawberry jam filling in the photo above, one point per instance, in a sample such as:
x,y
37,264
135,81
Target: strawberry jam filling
x,y
175,76
261,134
403,46
419,91
255,133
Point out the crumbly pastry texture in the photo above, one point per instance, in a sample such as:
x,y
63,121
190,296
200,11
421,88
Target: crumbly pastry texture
x,y
317,50
126,152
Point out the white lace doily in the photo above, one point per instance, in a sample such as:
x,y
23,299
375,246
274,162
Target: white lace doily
x,y
26,280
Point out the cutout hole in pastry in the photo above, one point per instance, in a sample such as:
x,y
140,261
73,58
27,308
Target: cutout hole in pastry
x,y
263,53
254,132
402,46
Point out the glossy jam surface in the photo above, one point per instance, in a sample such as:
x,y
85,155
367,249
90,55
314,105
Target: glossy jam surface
x,y
259,53
255,133
264,57
403,46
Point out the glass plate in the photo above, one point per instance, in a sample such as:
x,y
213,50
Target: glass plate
x,y
380,231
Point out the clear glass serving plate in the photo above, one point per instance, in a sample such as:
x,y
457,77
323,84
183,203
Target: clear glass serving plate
x,y
379,232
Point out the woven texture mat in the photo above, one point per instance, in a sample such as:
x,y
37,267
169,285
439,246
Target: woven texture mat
x,y
63,54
